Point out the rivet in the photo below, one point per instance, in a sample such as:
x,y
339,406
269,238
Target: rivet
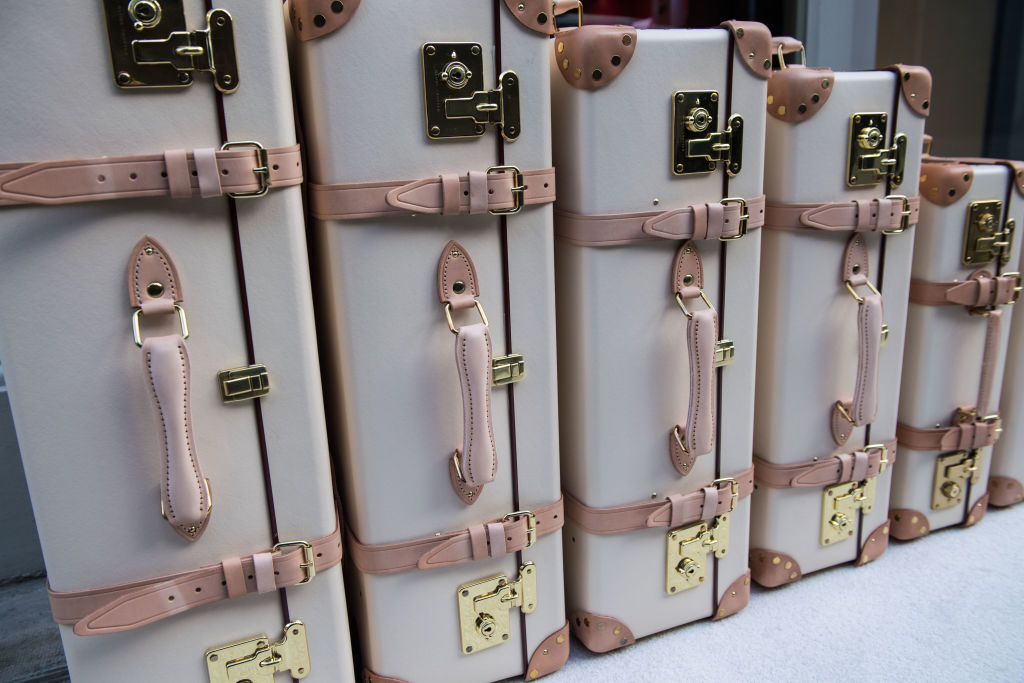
x,y
560,639
733,594
802,108
154,289
623,640
924,105
924,529
561,48
679,168
680,97
565,63
430,49
721,612
469,649
617,630
459,287
535,673
815,97
626,40
435,131
504,636
475,50
521,7
542,18
672,589
913,520
596,75
967,176
970,519
124,77
856,268
601,626
782,110
656,201
337,7
544,651
863,558
148,251
853,179
885,530
739,33
320,20
184,78
616,60
856,119
793,575
577,73
746,581
226,79
789,565
776,559
687,279
824,83
213,658
767,64
751,55
714,97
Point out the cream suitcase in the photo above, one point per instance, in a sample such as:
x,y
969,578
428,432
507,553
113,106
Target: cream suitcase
x,y
965,281
657,251
841,172
154,491
429,140
1006,477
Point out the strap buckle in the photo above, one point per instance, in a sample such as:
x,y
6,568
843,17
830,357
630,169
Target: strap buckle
x,y
744,217
307,565
451,323
858,297
1017,289
137,327
261,171
904,212
518,190
734,490
531,525
884,461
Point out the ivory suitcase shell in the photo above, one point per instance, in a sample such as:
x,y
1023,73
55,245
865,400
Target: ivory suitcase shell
x,y
809,339
1006,478
81,406
623,348
950,346
397,405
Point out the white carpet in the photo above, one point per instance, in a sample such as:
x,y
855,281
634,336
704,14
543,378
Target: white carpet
x,y
946,607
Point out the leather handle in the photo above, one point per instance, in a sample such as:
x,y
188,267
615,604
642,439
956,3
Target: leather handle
x,y
989,358
478,460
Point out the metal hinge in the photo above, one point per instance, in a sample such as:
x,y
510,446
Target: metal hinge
x,y
840,503
240,384
688,546
725,352
869,162
952,473
484,607
457,106
696,148
150,46
256,659
984,241
507,369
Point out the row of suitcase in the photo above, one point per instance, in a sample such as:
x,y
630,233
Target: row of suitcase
x,y
429,135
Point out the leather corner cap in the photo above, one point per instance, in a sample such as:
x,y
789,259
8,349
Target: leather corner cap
x,y
876,544
977,512
907,524
316,18
771,569
797,93
539,15
945,183
753,45
551,655
1004,491
591,57
916,84
599,633
370,677
736,597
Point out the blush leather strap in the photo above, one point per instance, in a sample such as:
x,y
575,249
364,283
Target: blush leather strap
x,y
836,469
989,358
175,173
963,436
717,220
128,606
673,511
861,215
979,290
447,194
491,539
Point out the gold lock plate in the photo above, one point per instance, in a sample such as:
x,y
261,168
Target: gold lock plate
x,y
456,104
868,160
697,144
688,547
952,472
150,46
240,384
484,607
256,659
507,369
985,235
839,508
725,352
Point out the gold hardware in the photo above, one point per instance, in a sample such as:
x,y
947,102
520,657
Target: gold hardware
x,y
842,411
261,170
885,334
859,298
803,60
308,565
137,325
687,549
952,472
868,161
256,659
458,68
744,217
682,306
905,212
240,384
150,46
484,607
983,240
725,352
840,503
694,149
531,525
451,323
518,189
554,17
507,369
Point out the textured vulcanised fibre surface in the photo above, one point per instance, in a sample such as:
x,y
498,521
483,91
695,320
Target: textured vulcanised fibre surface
x,y
99,517
391,360
800,376
942,368
623,366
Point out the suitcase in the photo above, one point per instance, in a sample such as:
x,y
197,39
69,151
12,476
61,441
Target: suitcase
x,y
431,182
841,172
965,282
657,248
170,416
1006,478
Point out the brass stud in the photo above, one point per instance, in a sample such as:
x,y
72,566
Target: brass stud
x,y
885,530
560,639
337,7
970,519
561,47
521,7
435,131
767,64
601,626
535,673
679,168
714,97
154,289
626,40
924,529
913,520
596,74
721,612
459,287
746,581
789,565
776,559
656,201
544,651
577,73
687,279
751,55
793,575
430,49
565,63
124,78
617,630
733,594
148,251
475,50
863,558
824,83
739,33
782,110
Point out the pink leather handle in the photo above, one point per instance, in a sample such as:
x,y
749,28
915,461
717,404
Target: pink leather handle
x,y
478,459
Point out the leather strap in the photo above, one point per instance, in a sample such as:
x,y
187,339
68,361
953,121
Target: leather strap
x,y
128,606
673,511
491,539
175,173
981,289
154,289
861,215
716,220
962,436
836,469
989,359
447,194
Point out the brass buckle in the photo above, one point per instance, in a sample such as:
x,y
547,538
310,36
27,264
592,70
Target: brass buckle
x,y
261,171
682,306
884,461
734,489
744,217
451,323
531,525
1017,289
859,298
518,189
136,325
308,566
905,213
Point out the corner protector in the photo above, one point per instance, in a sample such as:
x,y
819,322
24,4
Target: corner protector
x,y
591,57
737,596
600,633
771,569
551,655
907,524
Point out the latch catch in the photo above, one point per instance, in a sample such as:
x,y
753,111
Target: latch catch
x,y
869,161
986,237
840,504
696,147
687,549
484,607
952,472
725,352
240,384
507,369
256,659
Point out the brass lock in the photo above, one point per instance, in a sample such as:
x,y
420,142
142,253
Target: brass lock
x,y
869,137
456,75
952,472
683,569
839,521
484,605
688,567
841,501
698,120
868,160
